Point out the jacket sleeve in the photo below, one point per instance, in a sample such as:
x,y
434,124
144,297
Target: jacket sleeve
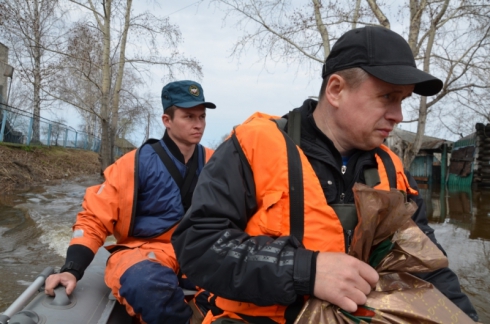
x,y
94,223
215,252
445,280
100,210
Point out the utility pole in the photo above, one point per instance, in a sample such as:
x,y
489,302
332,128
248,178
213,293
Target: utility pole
x,y
9,73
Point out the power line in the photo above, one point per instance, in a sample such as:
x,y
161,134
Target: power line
x,y
184,8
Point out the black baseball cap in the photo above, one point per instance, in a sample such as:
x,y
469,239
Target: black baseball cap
x,y
184,94
382,53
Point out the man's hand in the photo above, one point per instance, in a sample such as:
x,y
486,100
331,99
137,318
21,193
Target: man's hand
x,y
65,279
343,280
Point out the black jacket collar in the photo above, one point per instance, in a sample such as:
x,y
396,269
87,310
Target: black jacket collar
x,y
174,149
313,140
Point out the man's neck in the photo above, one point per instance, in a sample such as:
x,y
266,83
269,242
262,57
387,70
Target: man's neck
x,y
181,151
187,151
323,122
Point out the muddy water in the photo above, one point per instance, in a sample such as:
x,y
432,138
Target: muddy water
x,y
461,220
35,231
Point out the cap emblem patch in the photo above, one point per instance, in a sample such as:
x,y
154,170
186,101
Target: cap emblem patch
x,y
194,90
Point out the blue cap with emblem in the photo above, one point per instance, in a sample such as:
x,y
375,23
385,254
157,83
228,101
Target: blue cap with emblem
x,y
184,94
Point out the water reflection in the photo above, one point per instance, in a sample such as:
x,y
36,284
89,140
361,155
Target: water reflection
x,y
460,217
465,207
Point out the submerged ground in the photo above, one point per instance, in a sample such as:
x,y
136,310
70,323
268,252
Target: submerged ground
x,y
24,166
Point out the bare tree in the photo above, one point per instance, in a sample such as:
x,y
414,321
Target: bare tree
x,y
55,130
2,13
19,96
449,39
133,108
29,27
79,75
119,27
79,85
215,143
150,117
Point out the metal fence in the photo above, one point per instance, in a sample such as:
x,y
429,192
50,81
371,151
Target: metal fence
x,y
17,126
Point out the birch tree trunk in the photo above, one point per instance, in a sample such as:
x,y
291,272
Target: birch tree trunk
x,y
36,111
119,76
410,154
321,28
378,13
105,109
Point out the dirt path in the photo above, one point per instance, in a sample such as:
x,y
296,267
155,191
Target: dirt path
x,y
24,166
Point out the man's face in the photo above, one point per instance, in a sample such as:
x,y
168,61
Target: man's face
x,y
367,114
187,126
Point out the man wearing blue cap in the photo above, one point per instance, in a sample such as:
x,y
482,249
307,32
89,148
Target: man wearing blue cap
x,y
145,194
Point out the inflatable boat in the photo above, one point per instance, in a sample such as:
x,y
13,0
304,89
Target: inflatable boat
x,y
91,301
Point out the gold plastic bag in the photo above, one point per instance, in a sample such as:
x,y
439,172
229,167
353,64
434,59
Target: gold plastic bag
x,y
387,238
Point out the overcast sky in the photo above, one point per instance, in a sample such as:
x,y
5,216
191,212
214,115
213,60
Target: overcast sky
x,y
237,91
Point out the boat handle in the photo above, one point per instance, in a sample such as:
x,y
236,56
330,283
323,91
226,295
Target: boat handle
x,y
60,297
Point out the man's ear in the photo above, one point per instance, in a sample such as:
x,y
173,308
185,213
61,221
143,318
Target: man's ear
x,y
166,120
333,92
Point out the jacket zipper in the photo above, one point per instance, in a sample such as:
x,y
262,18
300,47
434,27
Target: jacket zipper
x,y
359,169
342,195
349,234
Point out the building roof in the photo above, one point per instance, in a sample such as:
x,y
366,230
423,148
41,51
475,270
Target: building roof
x,y
428,143
124,143
468,137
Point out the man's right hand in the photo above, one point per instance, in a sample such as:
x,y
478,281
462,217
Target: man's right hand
x,y
343,280
65,279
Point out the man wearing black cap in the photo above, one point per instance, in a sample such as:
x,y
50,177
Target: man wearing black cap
x,y
256,246
145,194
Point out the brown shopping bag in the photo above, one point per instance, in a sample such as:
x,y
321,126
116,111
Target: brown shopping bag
x,y
387,238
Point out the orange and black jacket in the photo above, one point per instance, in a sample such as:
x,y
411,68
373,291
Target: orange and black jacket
x,y
235,239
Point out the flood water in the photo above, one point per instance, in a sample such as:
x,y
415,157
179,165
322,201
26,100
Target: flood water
x,y
35,229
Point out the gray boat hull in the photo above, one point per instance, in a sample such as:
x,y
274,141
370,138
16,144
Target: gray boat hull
x,y
91,302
